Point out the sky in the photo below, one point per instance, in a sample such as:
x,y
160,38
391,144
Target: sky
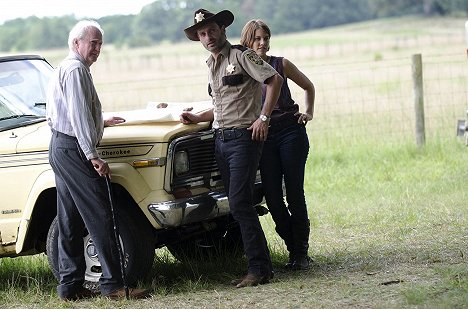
x,y
11,9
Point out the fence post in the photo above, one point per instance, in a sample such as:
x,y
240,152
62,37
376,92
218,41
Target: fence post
x,y
418,99
466,37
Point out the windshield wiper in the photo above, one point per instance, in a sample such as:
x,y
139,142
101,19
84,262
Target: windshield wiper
x,y
21,116
39,104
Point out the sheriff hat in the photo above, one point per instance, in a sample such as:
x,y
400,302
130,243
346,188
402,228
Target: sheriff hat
x,y
202,17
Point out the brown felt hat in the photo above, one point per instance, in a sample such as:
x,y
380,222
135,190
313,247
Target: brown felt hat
x,y
202,17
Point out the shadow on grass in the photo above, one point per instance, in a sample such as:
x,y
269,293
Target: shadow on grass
x,y
20,277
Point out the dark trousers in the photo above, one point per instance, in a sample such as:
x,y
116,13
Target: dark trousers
x,y
284,155
82,202
237,160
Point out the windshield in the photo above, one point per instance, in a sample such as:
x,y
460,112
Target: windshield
x,y
23,86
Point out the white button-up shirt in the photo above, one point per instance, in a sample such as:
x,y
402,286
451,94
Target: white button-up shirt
x,y
73,106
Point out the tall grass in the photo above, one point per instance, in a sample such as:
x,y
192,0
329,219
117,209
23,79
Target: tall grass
x,y
27,278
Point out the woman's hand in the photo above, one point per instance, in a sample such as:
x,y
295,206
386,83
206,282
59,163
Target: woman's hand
x,y
303,118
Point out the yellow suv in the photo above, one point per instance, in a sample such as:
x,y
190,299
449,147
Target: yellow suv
x,y
166,186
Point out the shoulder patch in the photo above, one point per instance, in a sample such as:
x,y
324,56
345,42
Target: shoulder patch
x,y
253,57
239,47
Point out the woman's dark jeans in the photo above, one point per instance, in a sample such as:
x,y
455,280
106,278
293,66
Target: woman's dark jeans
x,y
284,155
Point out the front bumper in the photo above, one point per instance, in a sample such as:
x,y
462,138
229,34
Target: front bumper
x,y
189,210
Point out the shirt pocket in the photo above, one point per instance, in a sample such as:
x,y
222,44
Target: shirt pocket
x,y
233,80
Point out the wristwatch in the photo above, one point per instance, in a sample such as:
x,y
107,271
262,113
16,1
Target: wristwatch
x,y
264,118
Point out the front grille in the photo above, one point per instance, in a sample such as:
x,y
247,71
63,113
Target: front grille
x,y
201,155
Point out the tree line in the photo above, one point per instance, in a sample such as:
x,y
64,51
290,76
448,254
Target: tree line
x,y
164,20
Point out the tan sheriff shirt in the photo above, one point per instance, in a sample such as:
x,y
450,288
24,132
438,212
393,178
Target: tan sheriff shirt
x,y
235,81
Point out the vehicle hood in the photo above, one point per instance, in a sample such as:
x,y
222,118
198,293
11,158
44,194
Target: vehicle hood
x,y
37,137
148,125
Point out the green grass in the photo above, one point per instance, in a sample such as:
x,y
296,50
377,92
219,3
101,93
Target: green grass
x,y
389,229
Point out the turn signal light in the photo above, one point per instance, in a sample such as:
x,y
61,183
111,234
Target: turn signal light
x,y
149,162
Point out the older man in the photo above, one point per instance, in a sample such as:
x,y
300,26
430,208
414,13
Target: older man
x,y
236,75
75,117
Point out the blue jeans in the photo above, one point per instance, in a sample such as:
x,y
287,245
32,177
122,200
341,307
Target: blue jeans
x,y
284,156
82,202
237,160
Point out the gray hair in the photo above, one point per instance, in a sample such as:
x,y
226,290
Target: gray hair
x,y
80,30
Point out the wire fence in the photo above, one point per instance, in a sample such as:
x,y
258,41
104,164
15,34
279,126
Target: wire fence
x,y
373,100
354,100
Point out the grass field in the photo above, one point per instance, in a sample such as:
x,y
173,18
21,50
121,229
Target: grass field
x,y
389,229
389,219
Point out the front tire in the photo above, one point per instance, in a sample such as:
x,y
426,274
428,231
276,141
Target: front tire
x,y
136,241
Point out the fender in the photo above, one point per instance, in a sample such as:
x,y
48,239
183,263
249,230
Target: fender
x,y
130,179
46,180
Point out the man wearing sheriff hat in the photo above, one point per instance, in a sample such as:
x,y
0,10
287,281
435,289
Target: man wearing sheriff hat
x,y
240,123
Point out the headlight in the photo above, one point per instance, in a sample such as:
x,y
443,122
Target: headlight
x,y
181,163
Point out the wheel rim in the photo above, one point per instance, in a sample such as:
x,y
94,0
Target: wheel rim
x,y
93,266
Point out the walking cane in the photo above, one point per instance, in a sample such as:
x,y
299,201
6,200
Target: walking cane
x,y
116,234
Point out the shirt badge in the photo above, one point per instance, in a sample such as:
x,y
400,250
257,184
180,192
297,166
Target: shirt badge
x,y
254,58
230,68
199,17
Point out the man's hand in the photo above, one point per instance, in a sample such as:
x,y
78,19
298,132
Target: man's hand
x,y
113,121
259,130
162,105
187,118
101,167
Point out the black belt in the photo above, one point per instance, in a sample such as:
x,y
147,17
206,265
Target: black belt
x,y
229,133
63,135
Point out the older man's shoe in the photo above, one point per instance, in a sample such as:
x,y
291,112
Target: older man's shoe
x,y
132,294
251,280
80,293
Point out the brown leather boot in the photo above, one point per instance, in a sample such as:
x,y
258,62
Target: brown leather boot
x,y
132,293
251,280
